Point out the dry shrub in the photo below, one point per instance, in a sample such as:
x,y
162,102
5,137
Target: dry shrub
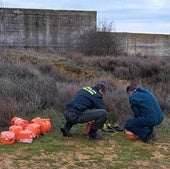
x,y
41,87
101,43
162,92
105,63
163,74
15,70
116,100
122,72
117,105
45,68
77,58
7,111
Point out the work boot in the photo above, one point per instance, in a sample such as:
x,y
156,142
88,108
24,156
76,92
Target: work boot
x,y
93,135
66,132
150,137
66,129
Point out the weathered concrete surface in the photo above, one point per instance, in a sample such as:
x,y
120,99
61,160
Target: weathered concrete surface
x,y
62,30
44,28
145,44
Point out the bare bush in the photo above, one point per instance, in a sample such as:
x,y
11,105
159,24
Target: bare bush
x,y
162,92
41,86
14,71
122,72
45,68
116,101
7,111
77,58
146,71
101,42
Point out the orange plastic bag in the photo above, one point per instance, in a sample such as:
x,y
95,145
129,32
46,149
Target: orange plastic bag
x,y
7,137
88,126
26,136
35,128
16,121
45,124
129,134
16,130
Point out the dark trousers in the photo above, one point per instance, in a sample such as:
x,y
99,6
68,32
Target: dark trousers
x,y
98,115
139,126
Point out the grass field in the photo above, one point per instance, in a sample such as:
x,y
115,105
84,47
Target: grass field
x,y
113,152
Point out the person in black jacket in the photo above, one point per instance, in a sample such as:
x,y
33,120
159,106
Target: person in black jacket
x,y
147,113
87,105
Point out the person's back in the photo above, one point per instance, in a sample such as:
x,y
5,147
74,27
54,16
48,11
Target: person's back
x,y
147,113
147,104
86,98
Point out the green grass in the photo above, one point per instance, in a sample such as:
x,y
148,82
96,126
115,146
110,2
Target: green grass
x,y
114,151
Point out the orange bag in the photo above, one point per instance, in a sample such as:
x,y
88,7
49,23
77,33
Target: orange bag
x,y
45,124
16,130
7,137
35,128
26,136
13,120
16,121
129,134
88,126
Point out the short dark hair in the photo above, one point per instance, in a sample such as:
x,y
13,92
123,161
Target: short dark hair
x,y
101,86
131,88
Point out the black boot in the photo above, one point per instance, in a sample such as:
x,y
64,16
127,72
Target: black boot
x,y
93,135
66,129
150,137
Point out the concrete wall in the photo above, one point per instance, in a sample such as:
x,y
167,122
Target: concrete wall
x,y
44,28
145,44
62,30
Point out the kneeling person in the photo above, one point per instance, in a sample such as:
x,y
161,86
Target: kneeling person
x,y
147,113
87,105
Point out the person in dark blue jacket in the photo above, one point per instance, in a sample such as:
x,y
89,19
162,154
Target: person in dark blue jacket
x,y
147,113
87,105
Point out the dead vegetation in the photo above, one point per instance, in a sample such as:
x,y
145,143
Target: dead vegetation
x,y
40,84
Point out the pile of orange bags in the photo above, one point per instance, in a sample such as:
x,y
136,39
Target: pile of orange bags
x,y
24,131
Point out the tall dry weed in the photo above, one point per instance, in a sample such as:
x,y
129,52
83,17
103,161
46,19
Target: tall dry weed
x,y
7,111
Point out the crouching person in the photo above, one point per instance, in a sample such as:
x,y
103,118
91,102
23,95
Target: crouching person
x,y
87,105
147,113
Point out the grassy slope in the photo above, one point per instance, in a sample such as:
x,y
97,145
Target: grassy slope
x,y
115,151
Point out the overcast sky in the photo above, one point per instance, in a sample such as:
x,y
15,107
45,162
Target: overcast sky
x,y
136,16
